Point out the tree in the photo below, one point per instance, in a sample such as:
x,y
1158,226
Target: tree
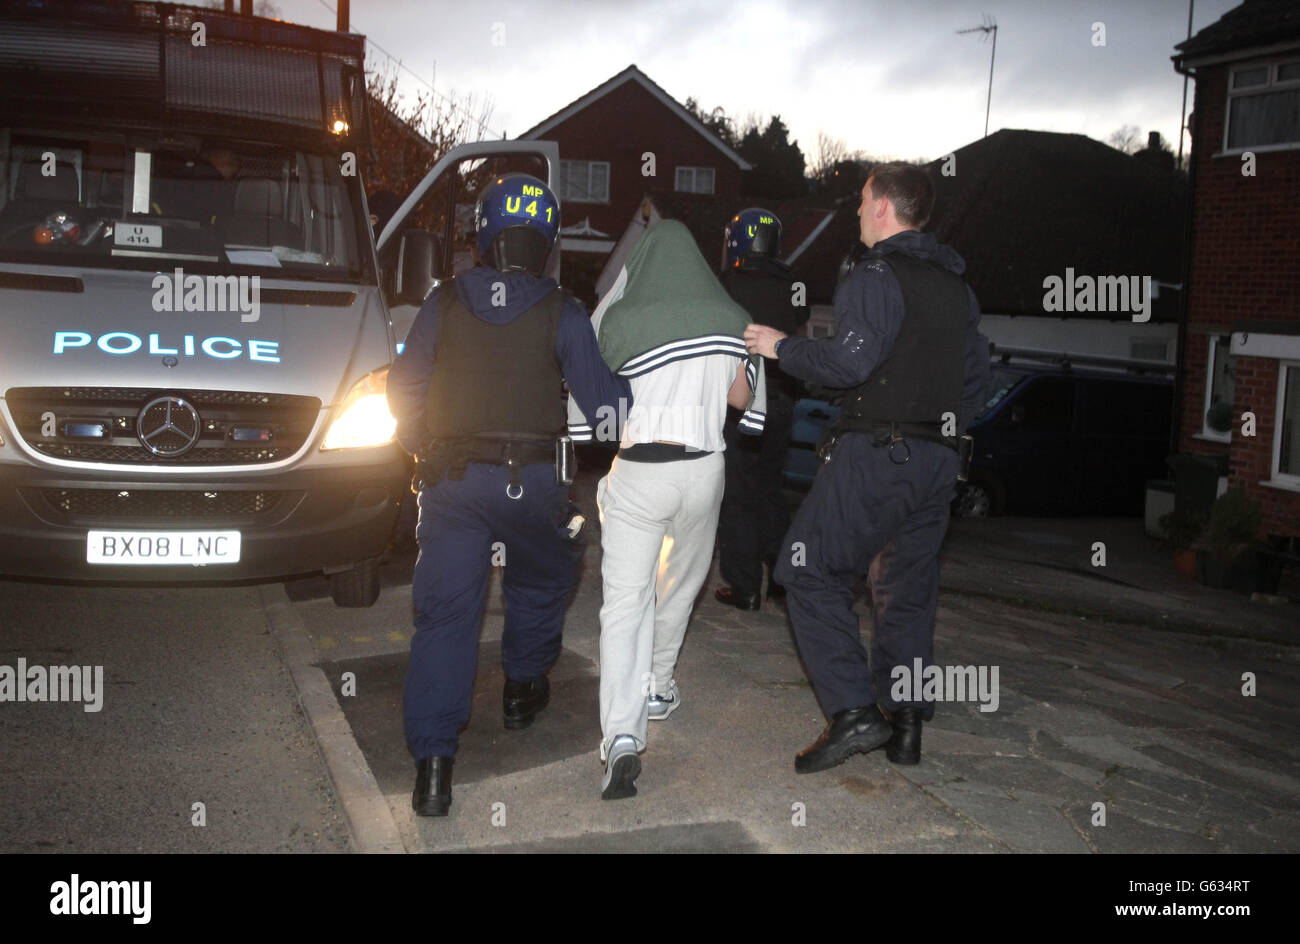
x,y
844,179
715,120
778,161
1127,139
410,137
830,152
836,172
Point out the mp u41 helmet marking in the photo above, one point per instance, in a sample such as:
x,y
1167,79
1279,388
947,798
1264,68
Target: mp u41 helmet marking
x,y
751,233
516,222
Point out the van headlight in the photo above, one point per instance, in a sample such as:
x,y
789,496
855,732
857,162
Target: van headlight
x,y
363,420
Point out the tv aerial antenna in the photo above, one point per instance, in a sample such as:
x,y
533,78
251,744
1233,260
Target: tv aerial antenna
x,y
989,25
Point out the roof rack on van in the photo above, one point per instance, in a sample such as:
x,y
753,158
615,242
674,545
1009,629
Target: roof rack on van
x,y
1066,360
150,65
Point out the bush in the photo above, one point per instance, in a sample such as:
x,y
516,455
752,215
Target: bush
x,y
1233,524
1182,528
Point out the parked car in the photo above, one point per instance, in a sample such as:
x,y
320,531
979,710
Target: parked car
x,y
1054,440
1049,440
811,419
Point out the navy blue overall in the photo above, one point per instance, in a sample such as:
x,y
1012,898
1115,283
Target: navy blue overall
x,y
866,512
459,524
461,521
867,515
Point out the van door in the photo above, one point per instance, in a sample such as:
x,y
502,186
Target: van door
x,y
428,238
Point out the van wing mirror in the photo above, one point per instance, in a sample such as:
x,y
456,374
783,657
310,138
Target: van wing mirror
x,y
419,258
1017,414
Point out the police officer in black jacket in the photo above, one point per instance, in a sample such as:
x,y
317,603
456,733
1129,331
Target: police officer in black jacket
x,y
477,395
754,515
908,349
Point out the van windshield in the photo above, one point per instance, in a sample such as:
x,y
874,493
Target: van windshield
x,y
1001,382
112,201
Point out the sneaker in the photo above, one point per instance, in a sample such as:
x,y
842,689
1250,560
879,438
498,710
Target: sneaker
x,y
661,706
622,768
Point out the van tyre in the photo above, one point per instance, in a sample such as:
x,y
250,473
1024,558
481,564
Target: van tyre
x,y
358,586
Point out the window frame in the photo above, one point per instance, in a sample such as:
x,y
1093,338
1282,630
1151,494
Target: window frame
x,y
570,198
1215,342
695,174
1289,480
1273,84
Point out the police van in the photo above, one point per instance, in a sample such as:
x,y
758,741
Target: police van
x,y
194,336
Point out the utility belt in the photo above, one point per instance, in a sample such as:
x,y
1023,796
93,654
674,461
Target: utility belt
x,y
449,457
894,435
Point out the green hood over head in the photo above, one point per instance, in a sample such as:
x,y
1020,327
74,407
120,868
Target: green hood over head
x,y
669,293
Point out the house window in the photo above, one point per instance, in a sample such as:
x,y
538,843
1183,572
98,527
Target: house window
x,y
1216,420
584,181
1286,438
695,180
1263,107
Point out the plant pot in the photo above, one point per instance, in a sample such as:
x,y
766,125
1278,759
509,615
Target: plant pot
x,y
1185,563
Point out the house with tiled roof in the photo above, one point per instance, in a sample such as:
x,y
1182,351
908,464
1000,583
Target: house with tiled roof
x,y
1025,207
625,137
1240,383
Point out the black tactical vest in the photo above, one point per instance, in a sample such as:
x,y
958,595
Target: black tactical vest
x,y
767,297
922,376
497,380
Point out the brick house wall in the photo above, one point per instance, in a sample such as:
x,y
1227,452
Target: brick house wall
x,y
621,126
1245,266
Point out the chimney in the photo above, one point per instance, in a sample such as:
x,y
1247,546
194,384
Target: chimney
x,y
1153,140
343,16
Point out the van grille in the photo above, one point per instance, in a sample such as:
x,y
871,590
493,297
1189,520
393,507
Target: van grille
x,y
143,503
236,427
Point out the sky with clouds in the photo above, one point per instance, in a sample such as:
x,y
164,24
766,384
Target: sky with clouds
x,y
891,78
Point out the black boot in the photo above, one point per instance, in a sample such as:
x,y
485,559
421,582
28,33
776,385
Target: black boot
x,y
904,746
852,731
432,796
521,701
743,601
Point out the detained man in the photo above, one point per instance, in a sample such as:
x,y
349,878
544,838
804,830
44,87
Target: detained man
x,y
669,328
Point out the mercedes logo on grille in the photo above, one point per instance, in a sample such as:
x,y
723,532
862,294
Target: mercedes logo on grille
x,y
168,426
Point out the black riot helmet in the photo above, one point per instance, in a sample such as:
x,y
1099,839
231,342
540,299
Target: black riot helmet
x,y
751,234
516,222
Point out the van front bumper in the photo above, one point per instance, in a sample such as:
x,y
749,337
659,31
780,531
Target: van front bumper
x,y
295,522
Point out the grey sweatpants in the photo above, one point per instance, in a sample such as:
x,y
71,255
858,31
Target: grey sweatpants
x,y
658,523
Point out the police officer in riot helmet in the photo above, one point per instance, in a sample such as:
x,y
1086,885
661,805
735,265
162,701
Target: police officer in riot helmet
x,y
754,515
477,394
